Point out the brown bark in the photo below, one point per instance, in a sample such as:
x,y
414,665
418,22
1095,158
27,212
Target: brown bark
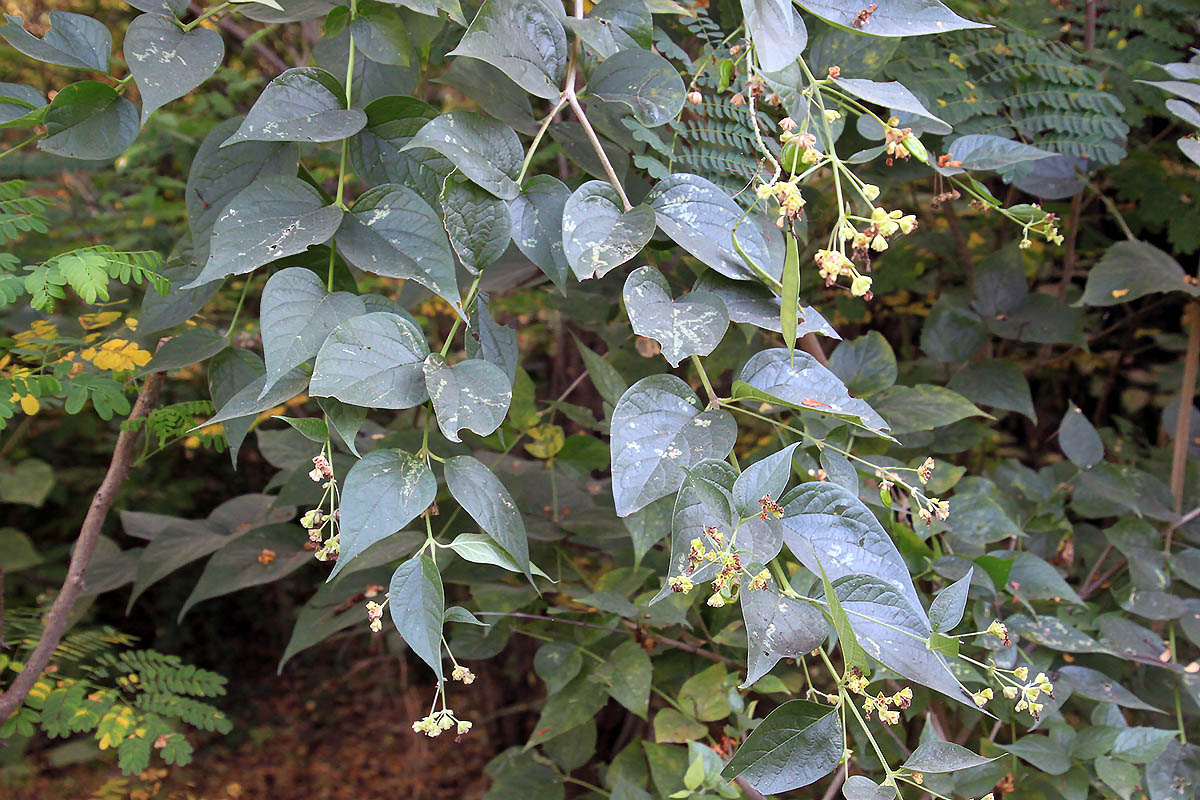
x,y
59,617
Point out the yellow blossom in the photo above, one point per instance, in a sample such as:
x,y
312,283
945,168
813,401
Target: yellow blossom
x,y
117,355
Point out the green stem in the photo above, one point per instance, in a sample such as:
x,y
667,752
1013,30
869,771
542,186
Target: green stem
x,y
537,139
781,578
471,295
19,145
214,10
237,311
713,401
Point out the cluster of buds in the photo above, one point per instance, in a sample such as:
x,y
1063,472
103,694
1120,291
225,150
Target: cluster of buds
x,y
1023,690
883,225
833,264
769,508
759,582
897,140
925,471
681,584
933,508
1046,227
887,708
1030,692
313,521
791,202
322,470
375,615
727,578
439,721
463,675
329,550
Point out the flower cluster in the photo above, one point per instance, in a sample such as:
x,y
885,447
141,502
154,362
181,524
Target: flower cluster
x,y
897,141
375,615
322,470
439,721
769,508
887,708
463,674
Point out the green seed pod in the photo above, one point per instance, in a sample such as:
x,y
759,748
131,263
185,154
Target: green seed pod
x,y
917,150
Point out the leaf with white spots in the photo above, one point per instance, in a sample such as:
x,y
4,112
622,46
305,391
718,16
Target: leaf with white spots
x,y
827,521
659,430
596,235
778,627
755,304
486,151
168,62
642,80
472,394
479,224
74,40
690,326
218,173
391,231
490,341
304,104
890,17
537,215
377,154
271,219
296,315
524,39
798,380
417,602
373,361
381,493
700,217
484,497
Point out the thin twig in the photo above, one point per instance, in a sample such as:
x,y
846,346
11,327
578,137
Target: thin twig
x,y
569,93
1183,415
59,617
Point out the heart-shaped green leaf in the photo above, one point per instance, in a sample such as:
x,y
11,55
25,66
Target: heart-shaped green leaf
x,y
659,430
268,220
691,326
168,62
304,104
391,231
524,39
700,217
373,361
473,394
296,316
417,603
644,81
797,380
797,744
486,151
597,236
383,492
